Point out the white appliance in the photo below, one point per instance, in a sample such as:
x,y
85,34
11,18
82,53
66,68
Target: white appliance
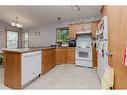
x,y
83,51
83,57
30,67
102,47
84,32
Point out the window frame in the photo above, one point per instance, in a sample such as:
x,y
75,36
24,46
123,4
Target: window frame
x,y
25,40
67,28
17,40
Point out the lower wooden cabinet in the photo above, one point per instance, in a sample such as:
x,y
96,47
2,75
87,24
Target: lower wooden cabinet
x,y
61,55
48,60
51,57
65,55
71,55
94,57
94,28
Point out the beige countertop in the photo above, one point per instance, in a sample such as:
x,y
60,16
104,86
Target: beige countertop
x,y
25,50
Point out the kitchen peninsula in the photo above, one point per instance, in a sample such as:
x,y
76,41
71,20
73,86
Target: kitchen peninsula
x,y
22,66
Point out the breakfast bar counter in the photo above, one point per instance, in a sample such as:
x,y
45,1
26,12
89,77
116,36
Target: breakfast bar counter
x,y
21,66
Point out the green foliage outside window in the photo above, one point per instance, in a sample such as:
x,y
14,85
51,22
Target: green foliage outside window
x,y
62,34
1,59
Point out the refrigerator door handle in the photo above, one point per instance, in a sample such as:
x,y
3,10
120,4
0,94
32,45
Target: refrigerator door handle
x,y
109,53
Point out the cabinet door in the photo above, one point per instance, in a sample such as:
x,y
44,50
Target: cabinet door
x,y
72,31
94,57
80,27
59,56
87,26
71,56
94,28
48,61
64,55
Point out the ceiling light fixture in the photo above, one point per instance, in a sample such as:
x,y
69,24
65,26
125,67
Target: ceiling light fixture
x,y
17,24
77,8
59,20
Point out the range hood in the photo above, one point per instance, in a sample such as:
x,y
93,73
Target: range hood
x,y
84,32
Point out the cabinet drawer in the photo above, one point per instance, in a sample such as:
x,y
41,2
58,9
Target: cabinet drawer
x,y
46,59
47,53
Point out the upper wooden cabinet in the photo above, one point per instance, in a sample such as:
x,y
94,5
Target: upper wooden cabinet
x,y
94,28
103,11
72,31
87,26
79,27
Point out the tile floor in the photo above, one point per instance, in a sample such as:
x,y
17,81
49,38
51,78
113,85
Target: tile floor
x,y
66,76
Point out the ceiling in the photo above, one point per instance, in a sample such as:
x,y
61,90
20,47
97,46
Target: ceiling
x,y
31,16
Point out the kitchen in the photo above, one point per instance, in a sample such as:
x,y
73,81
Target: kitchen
x,y
43,46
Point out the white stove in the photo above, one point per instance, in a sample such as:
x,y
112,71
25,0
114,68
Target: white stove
x,y
83,54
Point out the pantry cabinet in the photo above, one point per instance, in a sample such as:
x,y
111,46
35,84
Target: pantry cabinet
x,y
48,60
103,11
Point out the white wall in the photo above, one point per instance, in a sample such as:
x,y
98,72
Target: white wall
x,y
47,33
3,33
47,36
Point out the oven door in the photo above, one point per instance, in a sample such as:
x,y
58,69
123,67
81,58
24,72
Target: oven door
x,y
83,54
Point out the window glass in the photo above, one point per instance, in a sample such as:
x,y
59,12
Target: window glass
x,y
26,39
12,39
62,34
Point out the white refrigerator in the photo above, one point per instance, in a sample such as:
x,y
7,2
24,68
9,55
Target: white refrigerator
x,y
102,46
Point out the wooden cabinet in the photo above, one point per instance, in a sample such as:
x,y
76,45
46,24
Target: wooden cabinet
x,y
72,31
94,57
21,67
65,55
80,27
71,55
87,26
48,60
94,28
61,55
103,11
